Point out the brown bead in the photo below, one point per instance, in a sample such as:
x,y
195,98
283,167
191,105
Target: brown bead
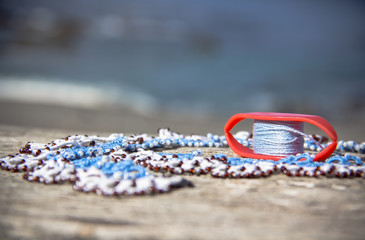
x,y
332,169
38,152
23,150
134,183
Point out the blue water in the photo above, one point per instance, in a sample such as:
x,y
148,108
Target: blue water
x,y
198,57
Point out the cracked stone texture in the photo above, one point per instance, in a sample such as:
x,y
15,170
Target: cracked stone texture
x,y
277,207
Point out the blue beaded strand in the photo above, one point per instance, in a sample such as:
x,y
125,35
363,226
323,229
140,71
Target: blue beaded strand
x,y
85,157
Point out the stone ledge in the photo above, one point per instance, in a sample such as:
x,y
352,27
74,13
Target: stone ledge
x,y
265,208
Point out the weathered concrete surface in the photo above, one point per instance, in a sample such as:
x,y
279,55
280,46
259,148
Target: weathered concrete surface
x,y
277,207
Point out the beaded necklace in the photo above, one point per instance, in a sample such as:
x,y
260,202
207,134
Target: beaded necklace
x,y
121,165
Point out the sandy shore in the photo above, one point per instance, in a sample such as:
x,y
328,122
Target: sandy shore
x,y
108,119
126,120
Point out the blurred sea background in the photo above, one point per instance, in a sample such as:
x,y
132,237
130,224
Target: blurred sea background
x,y
134,66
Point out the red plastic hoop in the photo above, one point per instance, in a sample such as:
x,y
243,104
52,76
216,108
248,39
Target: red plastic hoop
x,y
314,120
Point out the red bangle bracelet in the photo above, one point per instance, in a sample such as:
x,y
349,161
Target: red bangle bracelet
x,y
243,151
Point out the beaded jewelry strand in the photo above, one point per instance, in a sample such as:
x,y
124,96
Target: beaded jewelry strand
x,y
119,165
